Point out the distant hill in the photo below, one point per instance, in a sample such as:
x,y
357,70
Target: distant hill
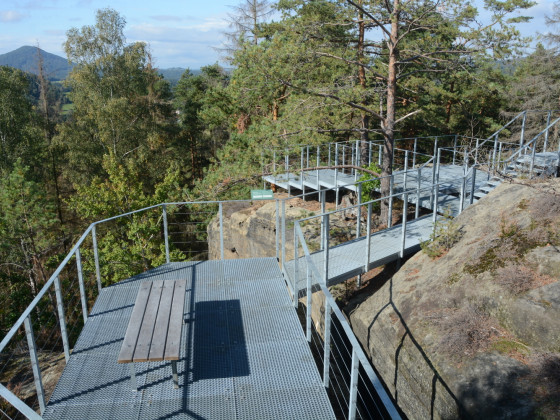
x,y
57,68
173,74
25,58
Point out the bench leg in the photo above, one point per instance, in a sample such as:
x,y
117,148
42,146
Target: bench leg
x,y
175,377
133,377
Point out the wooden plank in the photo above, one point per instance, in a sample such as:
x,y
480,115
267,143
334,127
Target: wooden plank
x,y
157,348
147,330
131,337
176,321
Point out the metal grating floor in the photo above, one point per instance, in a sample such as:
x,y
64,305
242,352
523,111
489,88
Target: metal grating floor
x,y
244,354
349,258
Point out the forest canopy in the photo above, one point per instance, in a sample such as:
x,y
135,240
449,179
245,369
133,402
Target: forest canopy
x,y
303,72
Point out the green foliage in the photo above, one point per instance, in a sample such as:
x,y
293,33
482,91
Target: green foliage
x,y
20,136
445,234
369,188
28,235
121,105
134,243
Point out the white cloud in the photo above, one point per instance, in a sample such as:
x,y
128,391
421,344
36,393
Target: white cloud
x,y
187,45
11,16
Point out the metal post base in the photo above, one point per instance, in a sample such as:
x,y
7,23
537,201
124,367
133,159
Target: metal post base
x,y
175,377
133,382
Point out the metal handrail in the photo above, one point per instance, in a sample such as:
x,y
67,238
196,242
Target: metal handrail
x,y
531,142
54,278
357,351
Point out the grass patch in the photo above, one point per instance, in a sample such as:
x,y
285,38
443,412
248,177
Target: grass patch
x,y
509,346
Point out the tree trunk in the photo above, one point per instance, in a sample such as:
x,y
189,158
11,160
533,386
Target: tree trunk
x,y
389,121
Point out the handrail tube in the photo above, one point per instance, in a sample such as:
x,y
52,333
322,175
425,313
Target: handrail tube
x,y
18,404
81,285
96,258
166,237
410,191
403,224
38,379
62,319
392,411
368,233
528,144
326,247
42,292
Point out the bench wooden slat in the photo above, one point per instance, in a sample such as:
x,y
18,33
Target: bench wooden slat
x,y
162,322
176,322
131,337
148,324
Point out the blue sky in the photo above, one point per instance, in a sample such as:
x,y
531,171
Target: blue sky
x,y
181,33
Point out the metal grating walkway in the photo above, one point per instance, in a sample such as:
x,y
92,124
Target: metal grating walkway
x,y
349,259
243,354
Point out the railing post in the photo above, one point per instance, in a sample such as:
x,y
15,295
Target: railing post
x,y
436,194
277,230
354,375
326,248
308,319
166,233
380,158
329,161
473,185
522,139
369,153
81,283
462,194
533,152
35,363
414,153
404,220
546,133
327,350
336,174
359,211
476,152
405,168
296,266
434,169
283,232
357,160
368,231
274,166
318,164
418,187
96,257
391,187
454,148
494,153
287,164
62,318
500,155
221,209
301,173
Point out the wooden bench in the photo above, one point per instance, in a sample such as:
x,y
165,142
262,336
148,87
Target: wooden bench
x,y
154,329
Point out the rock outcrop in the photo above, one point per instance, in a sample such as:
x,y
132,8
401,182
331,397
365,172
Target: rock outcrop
x,y
474,333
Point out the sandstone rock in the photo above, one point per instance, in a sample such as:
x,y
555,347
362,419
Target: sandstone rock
x,y
401,326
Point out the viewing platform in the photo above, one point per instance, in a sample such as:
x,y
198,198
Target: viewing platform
x,y
243,352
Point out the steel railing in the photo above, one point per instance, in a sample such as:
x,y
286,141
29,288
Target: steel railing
x,y
53,320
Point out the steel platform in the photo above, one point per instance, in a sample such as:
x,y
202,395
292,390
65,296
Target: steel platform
x,y
243,354
349,259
